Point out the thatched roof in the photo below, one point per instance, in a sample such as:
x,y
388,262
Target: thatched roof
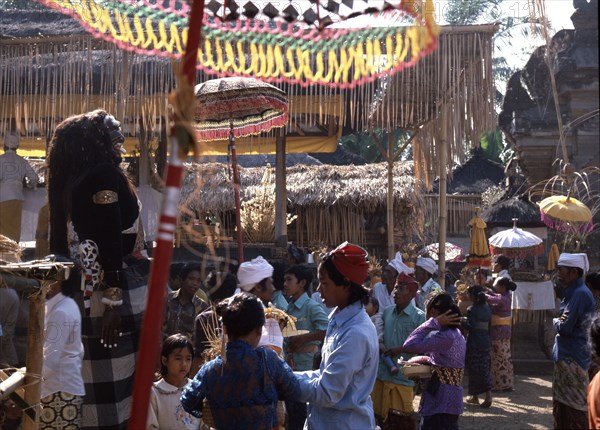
x,y
475,176
209,186
502,213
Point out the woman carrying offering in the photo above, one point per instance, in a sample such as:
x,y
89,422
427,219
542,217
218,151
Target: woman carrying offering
x,y
440,338
338,394
500,301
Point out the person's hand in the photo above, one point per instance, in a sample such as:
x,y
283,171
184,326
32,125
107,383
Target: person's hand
x,y
111,327
448,318
563,317
392,352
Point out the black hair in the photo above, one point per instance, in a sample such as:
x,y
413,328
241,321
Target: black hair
x,y
502,260
357,292
188,267
296,254
175,269
70,286
506,283
374,302
442,302
476,291
279,268
227,285
301,273
241,314
593,280
170,344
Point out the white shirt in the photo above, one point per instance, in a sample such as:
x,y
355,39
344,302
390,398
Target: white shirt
x,y
13,168
63,350
165,410
383,296
424,291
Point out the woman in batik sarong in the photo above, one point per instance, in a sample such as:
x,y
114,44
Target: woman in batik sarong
x,y
94,213
500,301
478,360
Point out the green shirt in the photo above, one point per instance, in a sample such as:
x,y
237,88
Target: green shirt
x,y
310,316
396,329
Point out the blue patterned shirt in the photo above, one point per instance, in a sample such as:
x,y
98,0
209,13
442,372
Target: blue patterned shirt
x,y
339,393
245,395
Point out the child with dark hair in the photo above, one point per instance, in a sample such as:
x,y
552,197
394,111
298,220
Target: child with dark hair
x,y
165,411
500,300
244,383
300,350
478,359
440,338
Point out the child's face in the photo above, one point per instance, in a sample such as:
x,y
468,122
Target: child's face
x,y
371,309
291,286
178,363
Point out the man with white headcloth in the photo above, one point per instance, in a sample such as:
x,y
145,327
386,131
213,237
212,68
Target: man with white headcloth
x,y
13,169
382,291
571,352
424,272
256,277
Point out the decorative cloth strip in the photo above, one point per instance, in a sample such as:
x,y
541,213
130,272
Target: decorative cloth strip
x,y
105,197
92,271
496,320
449,375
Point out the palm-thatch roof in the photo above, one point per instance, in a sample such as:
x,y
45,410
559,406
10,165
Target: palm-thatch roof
x,y
209,186
475,176
502,213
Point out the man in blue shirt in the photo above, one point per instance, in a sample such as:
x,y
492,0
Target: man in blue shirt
x,y
393,394
571,352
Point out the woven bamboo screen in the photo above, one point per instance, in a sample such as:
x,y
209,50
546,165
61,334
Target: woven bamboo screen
x,y
460,212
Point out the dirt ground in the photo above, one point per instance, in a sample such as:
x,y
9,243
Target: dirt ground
x,y
529,406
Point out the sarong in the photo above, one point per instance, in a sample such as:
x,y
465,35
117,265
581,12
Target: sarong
x,y
10,219
478,368
108,373
60,411
569,385
387,395
502,366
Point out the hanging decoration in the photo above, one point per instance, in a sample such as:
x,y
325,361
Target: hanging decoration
x,y
261,41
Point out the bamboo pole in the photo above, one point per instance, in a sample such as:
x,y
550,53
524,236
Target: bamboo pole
x,y
390,195
35,358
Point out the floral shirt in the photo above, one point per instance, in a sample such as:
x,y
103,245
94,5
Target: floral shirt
x,y
243,392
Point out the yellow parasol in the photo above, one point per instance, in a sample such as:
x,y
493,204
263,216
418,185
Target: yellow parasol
x,y
479,251
553,258
566,213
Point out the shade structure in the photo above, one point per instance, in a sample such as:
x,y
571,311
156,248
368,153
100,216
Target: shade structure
x,y
479,252
565,213
236,107
454,253
516,242
245,105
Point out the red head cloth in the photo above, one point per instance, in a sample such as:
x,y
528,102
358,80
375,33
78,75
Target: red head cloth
x,y
409,281
351,261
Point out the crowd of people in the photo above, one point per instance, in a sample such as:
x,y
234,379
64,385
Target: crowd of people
x,y
273,344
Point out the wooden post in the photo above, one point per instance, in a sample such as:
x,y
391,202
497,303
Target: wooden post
x,y
442,204
390,194
34,360
281,238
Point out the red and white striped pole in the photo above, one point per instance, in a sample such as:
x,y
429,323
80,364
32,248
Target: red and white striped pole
x,y
159,274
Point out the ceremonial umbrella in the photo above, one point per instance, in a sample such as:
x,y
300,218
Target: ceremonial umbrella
x,y
479,252
237,107
566,213
454,253
516,242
